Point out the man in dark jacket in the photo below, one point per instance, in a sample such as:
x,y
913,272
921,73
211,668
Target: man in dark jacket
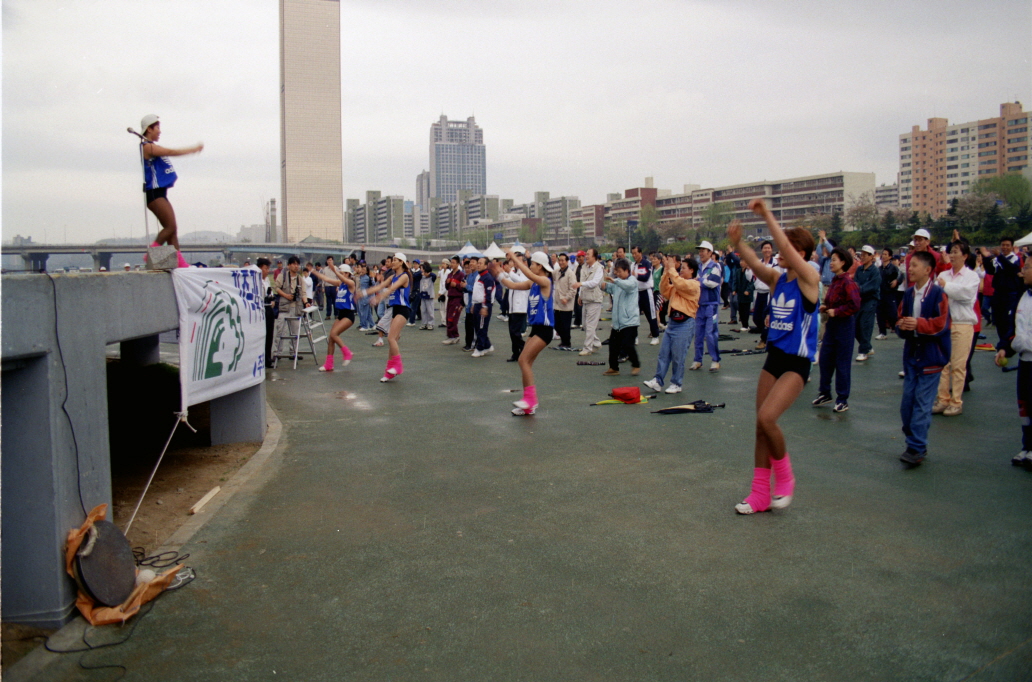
x,y
1007,287
868,278
890,277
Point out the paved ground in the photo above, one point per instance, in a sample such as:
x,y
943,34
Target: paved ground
x,y
416,530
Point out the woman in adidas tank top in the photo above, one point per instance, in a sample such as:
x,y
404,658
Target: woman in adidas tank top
x,y
540,317
791,344
158,177
343,308
397,289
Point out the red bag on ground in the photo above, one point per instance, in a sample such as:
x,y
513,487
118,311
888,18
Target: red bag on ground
x,y
628,394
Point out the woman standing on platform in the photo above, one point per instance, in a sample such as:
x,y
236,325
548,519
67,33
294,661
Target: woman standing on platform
x,y
397,290
158,177
792,342
540,317
344,309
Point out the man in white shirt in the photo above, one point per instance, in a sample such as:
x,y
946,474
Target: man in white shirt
x,y
961,286
588,289
518,299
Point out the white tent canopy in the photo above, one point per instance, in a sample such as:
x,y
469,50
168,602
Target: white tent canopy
x,y
494,252
1024,241
467,249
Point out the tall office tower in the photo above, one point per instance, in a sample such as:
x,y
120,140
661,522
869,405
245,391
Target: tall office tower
x,y
940,164
457,159
423,189
310,139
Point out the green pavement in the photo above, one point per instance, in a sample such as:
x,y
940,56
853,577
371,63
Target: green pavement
x,y
417,531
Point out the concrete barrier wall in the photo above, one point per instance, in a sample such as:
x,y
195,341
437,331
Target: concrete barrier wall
x,y
55,464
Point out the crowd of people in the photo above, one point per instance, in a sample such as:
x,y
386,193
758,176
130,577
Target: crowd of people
x,y
809,301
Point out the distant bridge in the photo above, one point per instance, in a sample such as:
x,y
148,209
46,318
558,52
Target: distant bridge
x,y
35,255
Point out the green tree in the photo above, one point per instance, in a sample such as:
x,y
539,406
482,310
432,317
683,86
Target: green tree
x,y
862,213
577,231
674,229
888,221
615,232
1013,189
914,221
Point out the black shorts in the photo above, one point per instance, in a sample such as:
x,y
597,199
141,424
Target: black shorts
x,y
158,193
402,310
345,314
543,332
778,362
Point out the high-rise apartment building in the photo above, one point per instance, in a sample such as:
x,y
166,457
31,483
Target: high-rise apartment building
x,y
310,137
457,159
941,163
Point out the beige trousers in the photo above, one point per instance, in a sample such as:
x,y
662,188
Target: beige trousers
x,y
960,340
590,313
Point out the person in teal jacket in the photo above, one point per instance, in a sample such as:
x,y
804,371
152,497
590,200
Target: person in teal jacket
x,y
624,291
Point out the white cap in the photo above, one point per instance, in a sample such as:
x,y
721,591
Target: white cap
x,y
868,249
400,256
103,269
541,259
345,268
923,233
147,121
706,245
127,266
519,248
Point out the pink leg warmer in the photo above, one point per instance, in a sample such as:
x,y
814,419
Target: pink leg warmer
x,y
182,261
530,395
784,481
329,362
759,498
346,352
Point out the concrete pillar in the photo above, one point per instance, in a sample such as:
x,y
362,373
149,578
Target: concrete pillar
x,y
141,352
239,417
35,262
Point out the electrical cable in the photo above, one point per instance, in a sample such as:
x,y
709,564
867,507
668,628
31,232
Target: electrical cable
x,y
162,560
93,647
64,403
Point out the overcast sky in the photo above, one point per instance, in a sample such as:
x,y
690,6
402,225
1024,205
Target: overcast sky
x,y
575,98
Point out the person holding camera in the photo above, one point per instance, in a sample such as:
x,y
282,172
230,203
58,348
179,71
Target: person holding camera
x,y
270,307
292,292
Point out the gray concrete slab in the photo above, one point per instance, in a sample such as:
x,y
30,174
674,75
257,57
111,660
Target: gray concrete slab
x,y
416,530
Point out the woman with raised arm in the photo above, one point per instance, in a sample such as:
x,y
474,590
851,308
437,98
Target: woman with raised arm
x,y
344,309
158,176
540,317
397,289
791,344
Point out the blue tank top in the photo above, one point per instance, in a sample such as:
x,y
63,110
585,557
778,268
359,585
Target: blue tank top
x,y
792,328
157,171
539,311
400,296
345,301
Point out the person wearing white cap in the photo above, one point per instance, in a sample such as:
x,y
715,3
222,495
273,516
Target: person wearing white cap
x,y
711,275
541,317
344,307
127,267
158,176
922,241
398,291
868,277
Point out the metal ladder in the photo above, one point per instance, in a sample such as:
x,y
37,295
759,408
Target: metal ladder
x,y
303,330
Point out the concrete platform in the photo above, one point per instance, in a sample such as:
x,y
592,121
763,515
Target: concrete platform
x,y
416,530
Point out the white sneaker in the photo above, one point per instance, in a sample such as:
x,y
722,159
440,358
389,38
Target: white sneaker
x,y
694,366
714,367
673,388
448,342
379,342
477,354
1020,458
654,341
861,358
653,384
519,412
489,350
870,352
744,508
585,351
410,324
523,404
880,337
635,340
902,374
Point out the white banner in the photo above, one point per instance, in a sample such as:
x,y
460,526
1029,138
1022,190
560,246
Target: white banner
x,y
221,331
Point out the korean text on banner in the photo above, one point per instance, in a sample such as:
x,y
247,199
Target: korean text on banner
x,y
221,331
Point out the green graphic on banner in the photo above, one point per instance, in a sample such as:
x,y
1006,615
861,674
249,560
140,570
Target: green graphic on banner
x,y
219,344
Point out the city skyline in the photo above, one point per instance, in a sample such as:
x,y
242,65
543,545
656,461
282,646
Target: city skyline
x,y
690,93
